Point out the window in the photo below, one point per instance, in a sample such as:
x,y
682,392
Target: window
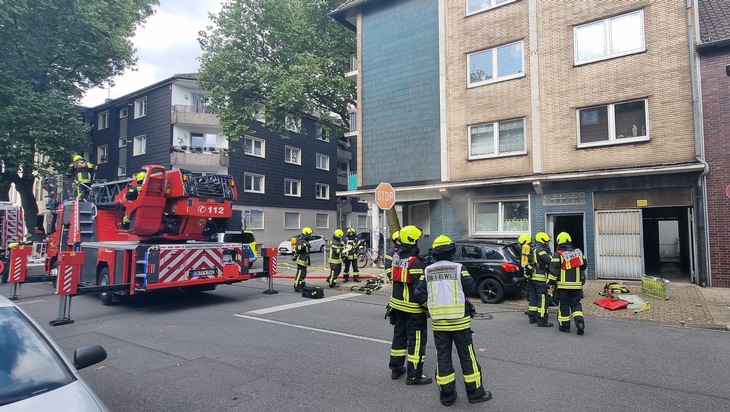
x,y
613,123
615,36
123,112
121,171
323,191
140,108
140,145
253,183
497,64
497,139
203,140
362,221
322,221
102,154
259,116
254,219
291,220
103,120
293,125
292,155
420,215
323,133
122,142
474,6
323,162
500,217
255,146
292,187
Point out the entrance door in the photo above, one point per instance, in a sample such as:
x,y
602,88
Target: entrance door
x,y
619,244
571,224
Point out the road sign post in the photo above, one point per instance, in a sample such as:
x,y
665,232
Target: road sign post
x,y
385,199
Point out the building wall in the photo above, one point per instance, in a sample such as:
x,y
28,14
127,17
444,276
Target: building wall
x,y
716,106
400,92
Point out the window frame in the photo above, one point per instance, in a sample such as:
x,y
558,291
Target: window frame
x,y
251,222
123,142
496,141
288,184
254,176
121,170
326,159
292,125
612,139
140,107
492,5
123,112
322,133
316,223
289,151
500,232
417,210
607,41
103,120
363,219
102,152
255,140
326,188
299,220
143,145
495,65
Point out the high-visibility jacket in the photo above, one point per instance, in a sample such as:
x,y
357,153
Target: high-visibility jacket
x,y
542,258
335,256
443,288
567,266
351,248
301,252
81,170
407,271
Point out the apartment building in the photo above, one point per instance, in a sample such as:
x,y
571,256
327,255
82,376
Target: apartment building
x,y
493,118
284,182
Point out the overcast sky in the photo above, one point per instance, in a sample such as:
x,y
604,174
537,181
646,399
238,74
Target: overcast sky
x,y
167,44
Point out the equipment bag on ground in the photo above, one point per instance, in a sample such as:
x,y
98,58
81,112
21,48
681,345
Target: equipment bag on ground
x,y
314,292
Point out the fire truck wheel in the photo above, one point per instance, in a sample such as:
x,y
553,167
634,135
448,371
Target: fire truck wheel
x,y
105,297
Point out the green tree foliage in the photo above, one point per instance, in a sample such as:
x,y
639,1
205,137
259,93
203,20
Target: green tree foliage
x,y
52,52
276,58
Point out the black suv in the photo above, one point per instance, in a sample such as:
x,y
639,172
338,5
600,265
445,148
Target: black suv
x,y
494,265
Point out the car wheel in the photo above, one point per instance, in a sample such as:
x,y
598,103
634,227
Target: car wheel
x,y
491,291
321,249
105,297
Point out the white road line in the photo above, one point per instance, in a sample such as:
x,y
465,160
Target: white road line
x,y
300,304
331,332
28,302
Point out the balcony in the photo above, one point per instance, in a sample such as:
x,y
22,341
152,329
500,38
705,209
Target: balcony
x,y
352,117
198,115
188,157
343,154
352,74
342,177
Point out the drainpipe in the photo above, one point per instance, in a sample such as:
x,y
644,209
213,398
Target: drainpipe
x,y
701,187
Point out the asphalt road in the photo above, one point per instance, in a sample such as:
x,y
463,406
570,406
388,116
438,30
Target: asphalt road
x,y
237,349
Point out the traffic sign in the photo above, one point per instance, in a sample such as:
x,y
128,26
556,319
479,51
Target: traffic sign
x,y
385,196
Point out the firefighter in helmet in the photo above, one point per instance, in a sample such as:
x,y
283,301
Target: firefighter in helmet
x,y
352,248
391,255
525,241
537,285
335,257
443,289
82,172
131,195
301,257
407,316
567,275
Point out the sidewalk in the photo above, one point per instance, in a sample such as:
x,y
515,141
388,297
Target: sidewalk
x,y
688,305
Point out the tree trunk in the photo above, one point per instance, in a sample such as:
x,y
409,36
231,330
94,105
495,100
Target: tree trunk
x,y
24,186
393,223
5,183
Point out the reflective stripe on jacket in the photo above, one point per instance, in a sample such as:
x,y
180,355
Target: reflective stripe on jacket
x,y
444,288
567,266
409,271
335,256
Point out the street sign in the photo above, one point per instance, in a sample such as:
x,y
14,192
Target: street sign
x,y
385,196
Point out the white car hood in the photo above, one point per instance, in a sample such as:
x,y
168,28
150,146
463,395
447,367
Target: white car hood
x,y
74,397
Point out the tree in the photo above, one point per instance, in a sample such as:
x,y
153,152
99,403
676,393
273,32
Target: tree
x,y
52,52
277,59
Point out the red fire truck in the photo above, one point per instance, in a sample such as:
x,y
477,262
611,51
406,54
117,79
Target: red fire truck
x,y
12,229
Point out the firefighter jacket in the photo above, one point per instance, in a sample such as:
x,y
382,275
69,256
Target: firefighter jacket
x,y
407,271
567,267
352,246
301,252
542,257
443,288
81,170
335,256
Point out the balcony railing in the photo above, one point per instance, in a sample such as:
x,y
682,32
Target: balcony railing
x,y
181,108
352,117
199,115
199,156
353,62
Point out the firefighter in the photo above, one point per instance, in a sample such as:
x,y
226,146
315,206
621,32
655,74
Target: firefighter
x,y
335,257
525,241
352,247
407,316
390,255
301,257
567,275
131,195
537,286
443,289
83,174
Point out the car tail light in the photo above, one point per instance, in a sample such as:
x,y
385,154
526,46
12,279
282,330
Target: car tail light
x,y
510,267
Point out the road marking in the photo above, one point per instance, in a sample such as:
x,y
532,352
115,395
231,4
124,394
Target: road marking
x,y
300,304
331,332
28,302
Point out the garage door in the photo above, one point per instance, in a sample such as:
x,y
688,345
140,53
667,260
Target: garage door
x,y
618,244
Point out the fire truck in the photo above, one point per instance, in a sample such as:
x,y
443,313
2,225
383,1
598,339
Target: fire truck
x,y
12,227
169,242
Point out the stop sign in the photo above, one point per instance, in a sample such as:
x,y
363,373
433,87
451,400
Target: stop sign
x,y
385,196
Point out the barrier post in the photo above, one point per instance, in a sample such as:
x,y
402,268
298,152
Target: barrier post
x,y
269,255
67,284
18,268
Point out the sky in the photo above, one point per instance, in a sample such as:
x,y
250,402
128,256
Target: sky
x,y
166,44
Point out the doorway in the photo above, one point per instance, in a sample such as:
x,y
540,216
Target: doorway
x,y
572,224
668,243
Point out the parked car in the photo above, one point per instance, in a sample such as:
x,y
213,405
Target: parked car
x,y
317,244
494,265
35,375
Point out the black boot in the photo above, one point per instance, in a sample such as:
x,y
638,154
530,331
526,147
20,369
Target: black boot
x,y
396,373
448,398
345,278
565,329
418,380
334,285
533,317
356,278
480,398
581,327
543,323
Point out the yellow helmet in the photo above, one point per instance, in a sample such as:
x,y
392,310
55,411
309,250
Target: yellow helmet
x,y
307,231
141,176
441,240
542,237
563,238
409,235
394,236
339,233
350,230
524,239
77,157
443,248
